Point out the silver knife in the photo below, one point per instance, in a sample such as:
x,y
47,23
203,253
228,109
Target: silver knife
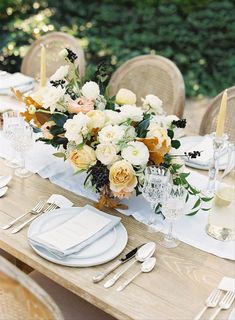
x,y
101,275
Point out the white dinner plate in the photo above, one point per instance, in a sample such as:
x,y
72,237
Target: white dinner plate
x,y
102,250
189,142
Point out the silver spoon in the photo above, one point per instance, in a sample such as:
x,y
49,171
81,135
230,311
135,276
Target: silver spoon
x,y
146,266
142,254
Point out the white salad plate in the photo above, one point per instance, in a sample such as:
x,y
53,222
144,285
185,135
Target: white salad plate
x,y
188,143
101,251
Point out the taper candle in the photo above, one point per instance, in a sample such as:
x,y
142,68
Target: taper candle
x,y
43,78
222,115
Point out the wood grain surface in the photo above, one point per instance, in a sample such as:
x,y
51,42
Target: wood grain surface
x,y
176,289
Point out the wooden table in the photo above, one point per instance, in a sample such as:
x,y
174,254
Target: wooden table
x,y
176,289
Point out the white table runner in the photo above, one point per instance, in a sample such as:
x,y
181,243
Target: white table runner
x,y
190,230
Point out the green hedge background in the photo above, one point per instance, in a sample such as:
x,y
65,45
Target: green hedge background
x,y
198,35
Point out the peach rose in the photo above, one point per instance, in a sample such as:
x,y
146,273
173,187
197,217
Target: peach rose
x,y
82,159
80,105
122,177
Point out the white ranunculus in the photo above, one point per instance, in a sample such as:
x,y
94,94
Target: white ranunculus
x,y
153,104
75,127
112,117
90,90
60,73
111,134
136,153
106,153
131,112
160,133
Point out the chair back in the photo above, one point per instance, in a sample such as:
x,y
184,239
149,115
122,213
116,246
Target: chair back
x,y
21,298
151,74
209,120
54,42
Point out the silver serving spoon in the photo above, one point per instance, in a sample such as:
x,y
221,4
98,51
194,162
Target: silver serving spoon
x,y
146,266
142,254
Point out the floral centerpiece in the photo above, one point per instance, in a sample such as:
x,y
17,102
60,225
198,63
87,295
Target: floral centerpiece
x,y
111,139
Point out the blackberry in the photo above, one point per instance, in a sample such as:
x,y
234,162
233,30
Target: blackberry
x,y
99,175
181,123
57,83
71,55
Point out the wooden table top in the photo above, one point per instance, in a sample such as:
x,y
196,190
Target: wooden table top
x,y
176,289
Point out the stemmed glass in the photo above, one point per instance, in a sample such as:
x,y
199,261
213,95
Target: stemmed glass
x,y
11,120
153,190
23,141
173,209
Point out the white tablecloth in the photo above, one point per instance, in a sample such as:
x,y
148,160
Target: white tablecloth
x,y
190,230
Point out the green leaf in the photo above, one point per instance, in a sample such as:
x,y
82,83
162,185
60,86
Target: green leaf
x,y
187,197
197,203
192,213
205,209
175,144
55,130
80,146
142,128
184,175
206,199
60,155
170,133
59,119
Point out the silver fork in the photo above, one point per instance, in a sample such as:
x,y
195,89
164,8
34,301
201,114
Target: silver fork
x,y
51,207
225,303
39,206
211,302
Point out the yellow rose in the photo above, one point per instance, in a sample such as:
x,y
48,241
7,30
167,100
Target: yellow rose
x,y
97,119
125,96
82,159
122,177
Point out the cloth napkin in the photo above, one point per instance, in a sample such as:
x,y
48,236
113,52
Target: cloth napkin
x,y
76,233
15,80
206,146
227,284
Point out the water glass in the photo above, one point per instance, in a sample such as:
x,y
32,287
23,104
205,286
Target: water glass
x,y
11,120
173,209
22,142
153,190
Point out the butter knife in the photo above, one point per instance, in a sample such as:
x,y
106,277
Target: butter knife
x,y
101,275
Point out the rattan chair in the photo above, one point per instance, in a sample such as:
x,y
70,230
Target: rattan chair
x,y
209,119
21,298
54,42
151,74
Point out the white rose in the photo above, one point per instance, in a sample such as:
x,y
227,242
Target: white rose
x,y
152,103
75,127
112,117
125,96
136,153
90,90
111,134
97,119
131,112
106,153
60,74
161,133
